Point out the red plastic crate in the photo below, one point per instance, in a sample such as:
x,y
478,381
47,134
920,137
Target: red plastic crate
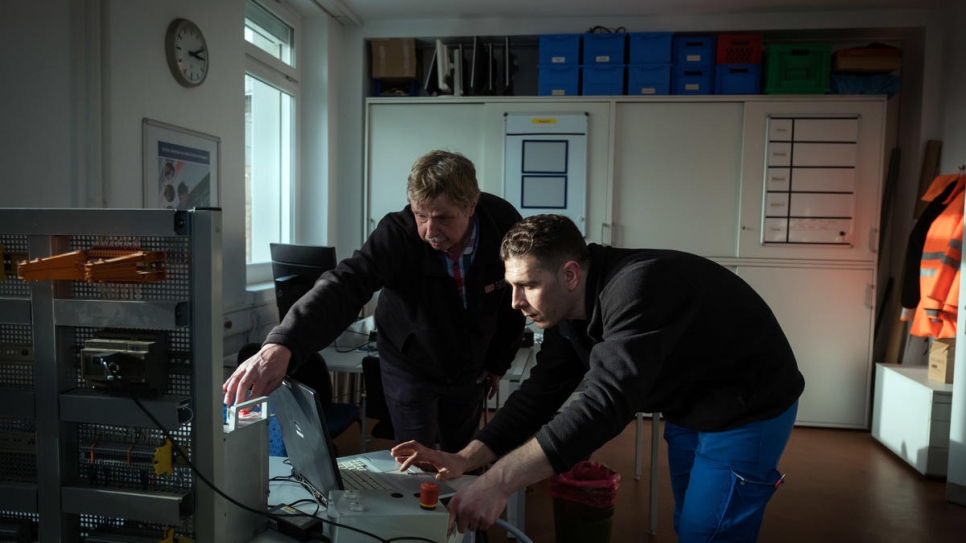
x,y
739,49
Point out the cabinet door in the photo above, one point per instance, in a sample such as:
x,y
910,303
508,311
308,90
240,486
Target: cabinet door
x,y
811,179
827,315
676,176
400,133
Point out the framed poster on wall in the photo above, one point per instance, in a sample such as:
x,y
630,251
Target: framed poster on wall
x,y
180,167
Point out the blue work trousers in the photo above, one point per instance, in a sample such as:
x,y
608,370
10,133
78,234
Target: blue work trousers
x,y
429,413
723,480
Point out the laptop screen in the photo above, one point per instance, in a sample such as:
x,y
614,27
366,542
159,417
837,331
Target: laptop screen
x,y
306,436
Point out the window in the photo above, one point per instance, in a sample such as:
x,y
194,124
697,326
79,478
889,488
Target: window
x,y
271,102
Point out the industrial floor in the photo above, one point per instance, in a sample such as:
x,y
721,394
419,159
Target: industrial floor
x,y
840,486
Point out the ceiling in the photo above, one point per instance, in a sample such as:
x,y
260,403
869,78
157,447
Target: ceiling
x,y
372,10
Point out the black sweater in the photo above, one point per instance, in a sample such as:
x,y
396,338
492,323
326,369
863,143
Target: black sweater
x,y
423,326
665,332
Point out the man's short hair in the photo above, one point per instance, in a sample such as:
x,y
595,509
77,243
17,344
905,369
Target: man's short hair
x,y
441,172
551,240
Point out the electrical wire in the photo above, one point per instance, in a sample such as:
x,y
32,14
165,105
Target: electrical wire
x,y
521,537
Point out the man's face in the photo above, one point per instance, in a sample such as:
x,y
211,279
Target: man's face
x,y
539,293
441,223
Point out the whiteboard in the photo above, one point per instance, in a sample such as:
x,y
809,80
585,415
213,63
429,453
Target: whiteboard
x,y
545,167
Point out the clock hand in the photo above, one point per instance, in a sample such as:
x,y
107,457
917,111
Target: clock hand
x,y
196,54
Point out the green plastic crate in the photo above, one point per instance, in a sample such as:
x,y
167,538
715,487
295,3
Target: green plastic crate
x,y
797,69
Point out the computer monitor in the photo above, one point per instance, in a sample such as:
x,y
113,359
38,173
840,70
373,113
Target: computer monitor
x,y
479,72
444,68
295,269
509,67
432,78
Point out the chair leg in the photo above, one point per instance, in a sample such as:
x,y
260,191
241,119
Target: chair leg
x,y
640,445
655,444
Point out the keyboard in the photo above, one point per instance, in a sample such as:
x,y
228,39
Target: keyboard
x,y
356,476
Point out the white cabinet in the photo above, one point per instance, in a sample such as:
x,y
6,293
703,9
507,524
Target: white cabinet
x,y
677,176
699,174
398,135
400,130
911,416
827,316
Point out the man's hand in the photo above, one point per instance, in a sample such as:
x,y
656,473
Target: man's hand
x,y
411,453
261,373
476,506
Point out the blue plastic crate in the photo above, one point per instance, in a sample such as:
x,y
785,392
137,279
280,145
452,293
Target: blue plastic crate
x,y
648,80
694,51
604,48
737,79
693,80
649,47
602,80
560,80
559,49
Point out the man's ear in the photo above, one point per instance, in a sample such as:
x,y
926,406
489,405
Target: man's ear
x,y
571,274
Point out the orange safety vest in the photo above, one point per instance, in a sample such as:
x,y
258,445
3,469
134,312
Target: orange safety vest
x,y
939,268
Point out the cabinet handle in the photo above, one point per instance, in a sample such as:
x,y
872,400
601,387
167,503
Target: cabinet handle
x,y
603,230
869,290
873,242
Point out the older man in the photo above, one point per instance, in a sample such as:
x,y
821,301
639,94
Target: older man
x,y
652,331
447,331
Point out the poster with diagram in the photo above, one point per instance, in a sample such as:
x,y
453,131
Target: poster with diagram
x,y
180,167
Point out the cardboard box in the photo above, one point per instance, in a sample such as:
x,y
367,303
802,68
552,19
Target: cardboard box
x,y
867,60
393,58
942,358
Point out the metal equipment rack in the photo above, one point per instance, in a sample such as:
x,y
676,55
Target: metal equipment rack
x,y
79,462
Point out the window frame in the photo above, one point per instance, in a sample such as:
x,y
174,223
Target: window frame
x,y
264,67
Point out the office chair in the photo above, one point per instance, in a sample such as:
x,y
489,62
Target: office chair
x,y
376,406
339,417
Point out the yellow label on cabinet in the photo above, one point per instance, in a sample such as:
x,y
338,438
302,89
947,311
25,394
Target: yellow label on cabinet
x,y
543,121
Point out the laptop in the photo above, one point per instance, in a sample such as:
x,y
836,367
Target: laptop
x,y
312,452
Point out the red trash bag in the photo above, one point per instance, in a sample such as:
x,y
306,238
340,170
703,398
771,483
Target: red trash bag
x,y
588,483
583,502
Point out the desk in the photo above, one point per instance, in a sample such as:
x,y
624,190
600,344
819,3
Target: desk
x,y
287,492
526,358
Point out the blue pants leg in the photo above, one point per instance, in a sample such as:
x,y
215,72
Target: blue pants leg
x,y
722,481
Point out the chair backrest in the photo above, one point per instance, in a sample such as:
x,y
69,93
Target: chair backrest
x,y
295,269
376,406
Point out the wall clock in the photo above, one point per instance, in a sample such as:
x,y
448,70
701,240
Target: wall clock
x,y
186,52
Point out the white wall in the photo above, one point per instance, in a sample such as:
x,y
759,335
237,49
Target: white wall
x,y
954,155
954,99
138,84
40,113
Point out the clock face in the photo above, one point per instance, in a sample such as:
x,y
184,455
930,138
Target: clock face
x,y
187,53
